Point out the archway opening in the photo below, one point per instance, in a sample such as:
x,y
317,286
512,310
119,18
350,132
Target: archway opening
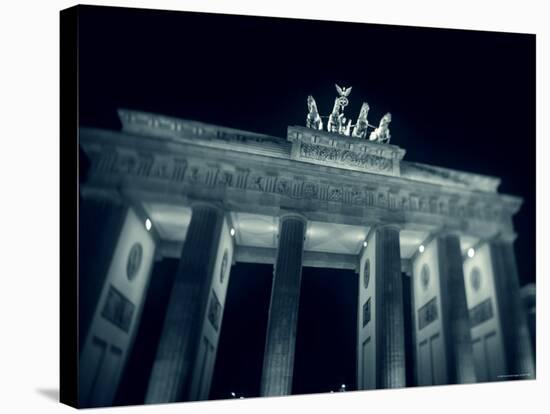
x,y
239,360
326,339
135,379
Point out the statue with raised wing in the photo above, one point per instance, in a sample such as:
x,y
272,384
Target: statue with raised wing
x,y
336,120
344,93
382,133
313,119
360,129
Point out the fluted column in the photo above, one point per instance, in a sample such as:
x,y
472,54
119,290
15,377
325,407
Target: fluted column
x,y
177,350
454,310
390,337
515,333
283,311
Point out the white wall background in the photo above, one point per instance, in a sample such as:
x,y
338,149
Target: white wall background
x,y
29,172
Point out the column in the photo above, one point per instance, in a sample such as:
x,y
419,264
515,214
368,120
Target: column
x,y
515,334
390,338
283,311
454,310
180,341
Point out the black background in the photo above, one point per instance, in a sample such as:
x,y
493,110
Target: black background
x,y
459,99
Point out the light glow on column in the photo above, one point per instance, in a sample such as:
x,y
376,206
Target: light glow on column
x,y
232,231
148,224
365,243
471,252
421,248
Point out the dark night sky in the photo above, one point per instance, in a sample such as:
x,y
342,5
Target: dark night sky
x,y
459,99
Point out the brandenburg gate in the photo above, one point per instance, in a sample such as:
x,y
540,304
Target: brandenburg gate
x,y
334,197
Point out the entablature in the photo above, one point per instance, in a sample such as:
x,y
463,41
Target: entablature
x,y
124,161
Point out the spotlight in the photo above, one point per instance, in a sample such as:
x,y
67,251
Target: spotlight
x,y
471,252
148,224
421,248
365,243
232,231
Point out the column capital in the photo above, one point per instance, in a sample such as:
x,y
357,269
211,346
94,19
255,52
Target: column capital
x,y
289,215
211,205
374,227
394,226
447,231
506,237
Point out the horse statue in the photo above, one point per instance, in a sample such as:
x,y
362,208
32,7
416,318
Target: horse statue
x,y
313,119
362,124
382,133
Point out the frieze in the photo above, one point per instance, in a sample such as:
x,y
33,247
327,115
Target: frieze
x,y
335,193
329,148
180,171
119,163
382,200
160,126
309,190
413,202
443,207
366,161
357,196
433,205
392,200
